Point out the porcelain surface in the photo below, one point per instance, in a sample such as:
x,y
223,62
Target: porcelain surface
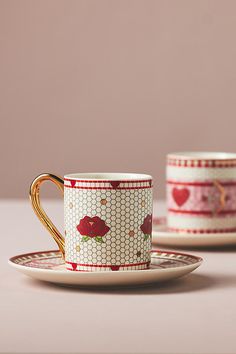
x,y
49,266
162,236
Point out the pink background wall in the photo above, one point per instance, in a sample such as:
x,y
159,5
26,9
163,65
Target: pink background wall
x,y
113,85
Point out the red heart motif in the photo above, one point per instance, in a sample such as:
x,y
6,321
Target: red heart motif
x,y
115,184
74,266
115,268
72,182
180,195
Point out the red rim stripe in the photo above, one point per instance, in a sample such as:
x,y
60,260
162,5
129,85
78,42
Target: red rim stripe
x,y
111,188
78,270
12,259
107,265
89,271
202,231
177,254
201,184
202,163
107,181
36,259
201,212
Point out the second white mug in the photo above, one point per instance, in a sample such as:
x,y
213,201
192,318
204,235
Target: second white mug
x,y
201,192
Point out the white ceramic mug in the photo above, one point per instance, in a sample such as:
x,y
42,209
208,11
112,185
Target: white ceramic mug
x,y
201,192
108,220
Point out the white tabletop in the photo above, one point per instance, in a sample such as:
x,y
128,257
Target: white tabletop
x,y
195,314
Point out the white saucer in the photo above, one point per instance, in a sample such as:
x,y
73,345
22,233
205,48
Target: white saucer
x,y
49,266
162,236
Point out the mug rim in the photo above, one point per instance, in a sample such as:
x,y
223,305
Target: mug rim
x,y
108,176
202,155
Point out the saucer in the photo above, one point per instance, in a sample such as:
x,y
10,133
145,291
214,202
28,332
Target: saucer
x,y
162,236
49,266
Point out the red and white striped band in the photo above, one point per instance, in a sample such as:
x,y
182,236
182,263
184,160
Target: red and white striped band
x,y
105,267
202,184
201,163
202,231
202,212
106,184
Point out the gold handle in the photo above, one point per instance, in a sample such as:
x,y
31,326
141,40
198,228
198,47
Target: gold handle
x,y
35,200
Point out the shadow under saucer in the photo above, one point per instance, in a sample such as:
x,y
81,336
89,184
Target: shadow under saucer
x,y
189,283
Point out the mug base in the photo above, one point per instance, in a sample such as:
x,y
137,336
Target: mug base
x,y
106,267
200,224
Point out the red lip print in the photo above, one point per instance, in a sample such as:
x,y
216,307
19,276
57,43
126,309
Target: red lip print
x,y
180,195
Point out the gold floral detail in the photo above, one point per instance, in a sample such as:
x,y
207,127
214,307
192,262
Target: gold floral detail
x,y
131,233
70,205
143,203
77,248
138,254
